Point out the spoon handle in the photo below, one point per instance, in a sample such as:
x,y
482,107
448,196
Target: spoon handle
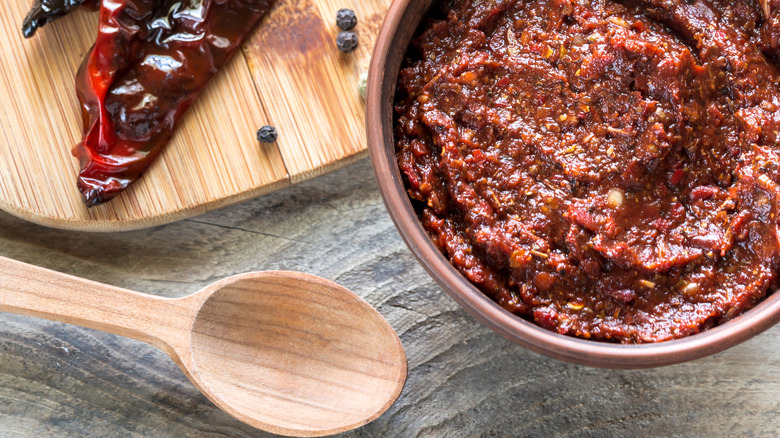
x,y
33,291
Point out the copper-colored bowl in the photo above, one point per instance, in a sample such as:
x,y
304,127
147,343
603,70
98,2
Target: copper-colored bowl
x,y
401,23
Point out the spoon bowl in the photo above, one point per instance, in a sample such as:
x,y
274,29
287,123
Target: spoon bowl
x,y
285,346
285,352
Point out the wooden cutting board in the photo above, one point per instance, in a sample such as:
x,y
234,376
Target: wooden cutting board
x,y
289,74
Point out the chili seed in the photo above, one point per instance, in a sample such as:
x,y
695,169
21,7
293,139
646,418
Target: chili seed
x,y
267,134
691,289
648,284
346,19
616,198
347,41
362,84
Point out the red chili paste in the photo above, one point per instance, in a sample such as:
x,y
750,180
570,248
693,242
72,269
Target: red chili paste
x,y
607,169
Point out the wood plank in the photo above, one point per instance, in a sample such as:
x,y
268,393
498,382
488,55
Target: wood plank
x,y
290,76
464,380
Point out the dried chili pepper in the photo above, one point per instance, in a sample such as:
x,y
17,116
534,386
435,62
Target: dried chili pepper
x,y
44,11
150,61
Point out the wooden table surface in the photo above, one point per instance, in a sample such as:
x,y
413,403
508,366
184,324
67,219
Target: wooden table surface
x,y
63,381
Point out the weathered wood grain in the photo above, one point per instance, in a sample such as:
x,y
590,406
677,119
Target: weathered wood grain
x,y
289,74
464,381
285,352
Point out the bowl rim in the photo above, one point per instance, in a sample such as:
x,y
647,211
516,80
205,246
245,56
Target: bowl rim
x,y
460,289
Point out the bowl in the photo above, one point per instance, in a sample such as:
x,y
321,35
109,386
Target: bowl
x,y
400,26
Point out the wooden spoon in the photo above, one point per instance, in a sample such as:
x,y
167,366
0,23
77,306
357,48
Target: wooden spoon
x,y
285,352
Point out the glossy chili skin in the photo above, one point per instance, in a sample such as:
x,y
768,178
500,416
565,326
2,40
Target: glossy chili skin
x,y
608,170
149,63
44,11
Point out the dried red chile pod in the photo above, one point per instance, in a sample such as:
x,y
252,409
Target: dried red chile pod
x,y
133,102
150,61
44,11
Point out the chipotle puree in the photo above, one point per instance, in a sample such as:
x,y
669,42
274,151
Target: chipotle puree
x,y
607,169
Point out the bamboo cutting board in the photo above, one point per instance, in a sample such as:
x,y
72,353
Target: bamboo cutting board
x,y
289,74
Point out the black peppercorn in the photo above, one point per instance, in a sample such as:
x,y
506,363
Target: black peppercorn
x,y
347,41
267,134
346,19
